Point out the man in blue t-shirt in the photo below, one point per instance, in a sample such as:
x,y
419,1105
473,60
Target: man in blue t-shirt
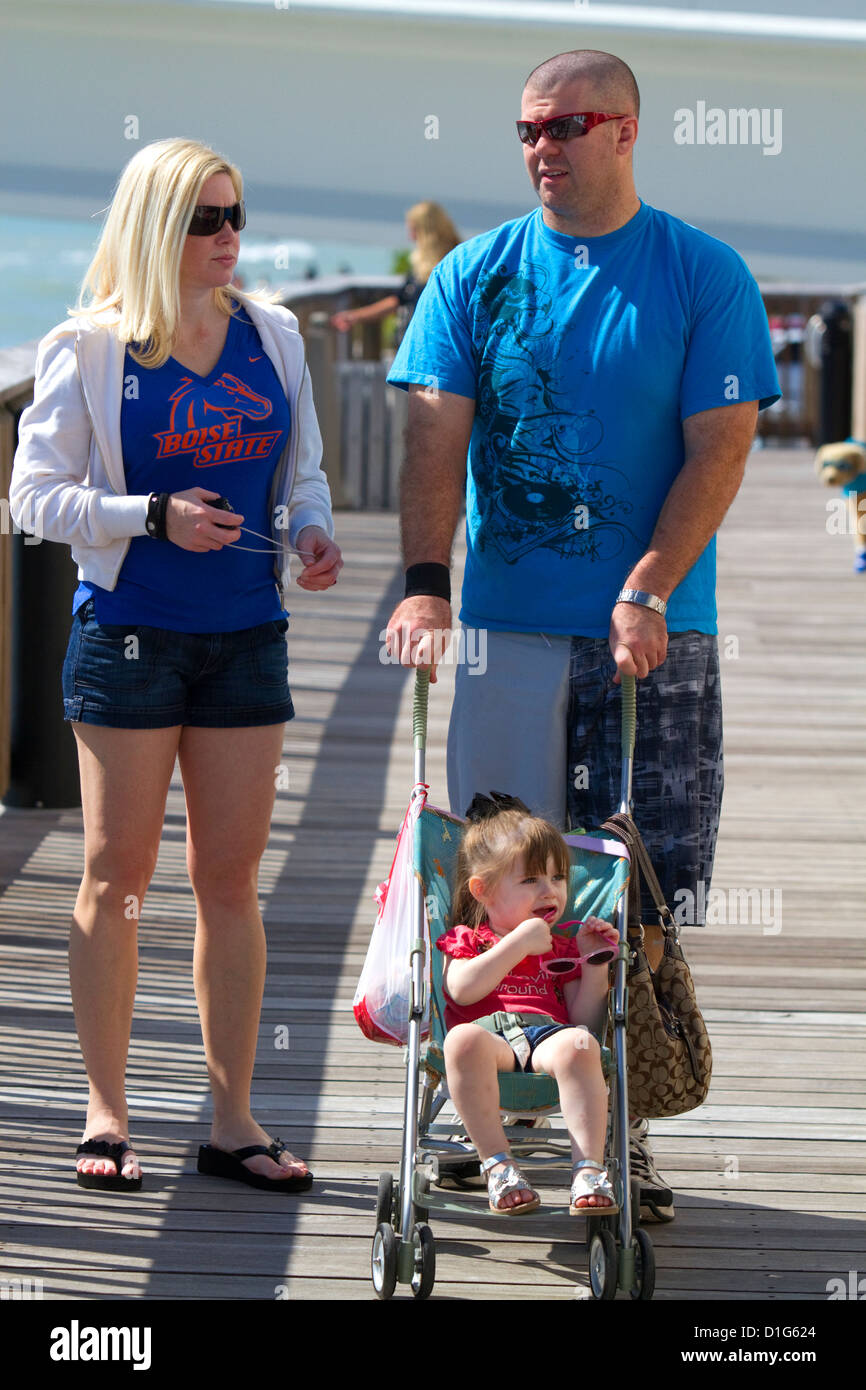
x,y
602,365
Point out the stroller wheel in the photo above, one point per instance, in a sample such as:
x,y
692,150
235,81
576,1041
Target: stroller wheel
x,y
602,1265
644,1266
385,1199
384,1261
425,1262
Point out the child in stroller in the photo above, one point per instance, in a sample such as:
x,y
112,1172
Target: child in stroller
x,y
517,997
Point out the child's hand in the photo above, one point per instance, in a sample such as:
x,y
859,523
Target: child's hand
x,y
594,934
535,933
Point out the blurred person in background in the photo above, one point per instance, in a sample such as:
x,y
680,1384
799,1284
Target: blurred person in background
x,y
434,235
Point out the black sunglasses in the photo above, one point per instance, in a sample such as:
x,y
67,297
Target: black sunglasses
x,y
207,221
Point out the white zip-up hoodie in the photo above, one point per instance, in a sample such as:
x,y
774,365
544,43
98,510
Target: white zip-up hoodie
x,y
68,481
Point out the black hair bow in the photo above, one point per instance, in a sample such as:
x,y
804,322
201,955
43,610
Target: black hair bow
x,y
483,807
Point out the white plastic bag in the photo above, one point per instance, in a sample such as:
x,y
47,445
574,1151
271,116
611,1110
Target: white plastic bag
x,y
382,999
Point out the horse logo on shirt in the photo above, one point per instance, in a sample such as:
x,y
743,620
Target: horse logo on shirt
x,y
194,404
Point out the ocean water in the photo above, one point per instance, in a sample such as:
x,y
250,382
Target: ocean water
x,y
43,260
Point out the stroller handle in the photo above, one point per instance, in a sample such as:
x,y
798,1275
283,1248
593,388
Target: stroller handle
x,y
629,715
419,708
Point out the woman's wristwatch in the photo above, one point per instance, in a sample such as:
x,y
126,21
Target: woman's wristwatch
x,y
641,597
157,507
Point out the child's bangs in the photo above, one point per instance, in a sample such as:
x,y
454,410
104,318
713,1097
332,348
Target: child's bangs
x,y
537,842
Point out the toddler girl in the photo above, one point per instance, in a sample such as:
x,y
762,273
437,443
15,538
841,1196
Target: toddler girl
x,y
504,1012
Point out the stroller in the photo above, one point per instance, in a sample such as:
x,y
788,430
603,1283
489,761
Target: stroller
x,y
620,1253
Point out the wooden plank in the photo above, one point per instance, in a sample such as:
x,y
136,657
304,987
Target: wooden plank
x,y
352,433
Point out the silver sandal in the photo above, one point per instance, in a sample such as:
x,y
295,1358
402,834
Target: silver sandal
x,y
510,1180
591,1185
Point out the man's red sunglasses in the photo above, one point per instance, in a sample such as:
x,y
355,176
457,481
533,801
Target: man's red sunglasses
x,y
207,220
562,127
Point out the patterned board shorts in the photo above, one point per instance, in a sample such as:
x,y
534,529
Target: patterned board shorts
x,y
678,765
543,722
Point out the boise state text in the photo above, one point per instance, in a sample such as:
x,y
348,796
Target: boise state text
x,y
212,444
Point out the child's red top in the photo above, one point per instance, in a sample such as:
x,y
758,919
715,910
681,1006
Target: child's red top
x,y
526,989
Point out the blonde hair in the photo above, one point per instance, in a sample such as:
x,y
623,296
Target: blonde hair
x,y
435,236
491,846
133,281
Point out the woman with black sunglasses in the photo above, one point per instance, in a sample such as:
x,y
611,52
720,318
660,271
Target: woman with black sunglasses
x,y
166,390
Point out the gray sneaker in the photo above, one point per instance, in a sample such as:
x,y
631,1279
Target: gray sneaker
x,y
656,1198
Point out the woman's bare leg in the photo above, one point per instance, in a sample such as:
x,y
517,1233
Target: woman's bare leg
x,y
125,775
229,780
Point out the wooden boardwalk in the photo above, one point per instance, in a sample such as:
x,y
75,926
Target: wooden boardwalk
x,y
769,1174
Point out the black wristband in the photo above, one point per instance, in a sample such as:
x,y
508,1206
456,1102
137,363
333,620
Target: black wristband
x,y
156,515
428,580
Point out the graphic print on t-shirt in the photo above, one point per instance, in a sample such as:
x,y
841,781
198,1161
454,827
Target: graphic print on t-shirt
x,y
192,428
536,483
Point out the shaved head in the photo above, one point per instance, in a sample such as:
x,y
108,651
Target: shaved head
x,y
612,80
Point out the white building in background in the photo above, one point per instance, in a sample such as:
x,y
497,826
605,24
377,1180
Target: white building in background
x,y
342,113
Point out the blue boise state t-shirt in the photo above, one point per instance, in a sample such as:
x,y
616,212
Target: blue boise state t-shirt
x,y
583,356
224,432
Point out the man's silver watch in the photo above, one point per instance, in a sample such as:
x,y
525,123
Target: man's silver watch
x,y
643,598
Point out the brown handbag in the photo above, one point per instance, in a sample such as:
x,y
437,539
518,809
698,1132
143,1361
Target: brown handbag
x,y
670,1061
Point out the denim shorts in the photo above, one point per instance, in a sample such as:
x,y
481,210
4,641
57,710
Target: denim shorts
x,y
131,676
534,1034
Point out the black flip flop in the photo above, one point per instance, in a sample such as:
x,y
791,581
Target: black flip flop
x,y
106,1182
219,1163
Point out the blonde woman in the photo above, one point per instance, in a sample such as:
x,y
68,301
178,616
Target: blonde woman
x,y
166,391
434,234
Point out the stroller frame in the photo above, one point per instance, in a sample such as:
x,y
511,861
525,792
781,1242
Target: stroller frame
x,y
620,1252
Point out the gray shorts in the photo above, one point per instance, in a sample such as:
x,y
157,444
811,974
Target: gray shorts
x,y
543,723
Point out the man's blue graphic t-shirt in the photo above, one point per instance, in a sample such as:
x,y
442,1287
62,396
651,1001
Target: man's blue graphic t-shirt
x,y
224,432
583,356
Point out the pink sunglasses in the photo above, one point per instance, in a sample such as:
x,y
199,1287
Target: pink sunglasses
x,y
565,967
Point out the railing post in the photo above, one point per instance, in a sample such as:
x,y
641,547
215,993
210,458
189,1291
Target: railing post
x,y
835,418
7,449
858,370
43,762
321,359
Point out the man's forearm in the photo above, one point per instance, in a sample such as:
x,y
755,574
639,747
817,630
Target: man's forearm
x,y
692,514
698,500
430,505
433,484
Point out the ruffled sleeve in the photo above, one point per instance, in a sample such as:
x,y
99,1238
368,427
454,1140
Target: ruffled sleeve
x,y
460,942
